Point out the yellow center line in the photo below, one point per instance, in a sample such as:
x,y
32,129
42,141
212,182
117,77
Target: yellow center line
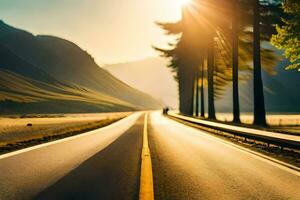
x,y
146,179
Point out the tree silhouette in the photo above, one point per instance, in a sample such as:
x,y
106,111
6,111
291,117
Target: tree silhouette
x,y
211,37
235,62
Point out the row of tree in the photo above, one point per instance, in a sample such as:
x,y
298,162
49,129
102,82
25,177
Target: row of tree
x,y
216,40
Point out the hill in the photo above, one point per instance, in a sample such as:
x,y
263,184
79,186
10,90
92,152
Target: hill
x,y
49,74
150,75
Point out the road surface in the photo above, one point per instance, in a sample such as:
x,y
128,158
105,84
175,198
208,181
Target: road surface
x,y
190,164
106,163
32,174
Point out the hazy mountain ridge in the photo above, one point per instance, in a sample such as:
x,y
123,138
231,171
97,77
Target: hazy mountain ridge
x,y
150,75
29,64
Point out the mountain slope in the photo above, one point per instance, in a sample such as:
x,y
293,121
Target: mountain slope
x,y
34,61
150,75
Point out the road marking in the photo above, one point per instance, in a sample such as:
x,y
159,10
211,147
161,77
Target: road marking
x,y
272,161
146,179
115,124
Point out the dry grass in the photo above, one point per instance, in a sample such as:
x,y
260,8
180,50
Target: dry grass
x,y
15,134
272,119
289,124
17,88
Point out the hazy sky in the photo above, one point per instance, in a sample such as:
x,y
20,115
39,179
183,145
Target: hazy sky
x,y
111,30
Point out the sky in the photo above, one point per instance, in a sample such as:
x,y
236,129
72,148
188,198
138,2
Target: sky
x,y
112,31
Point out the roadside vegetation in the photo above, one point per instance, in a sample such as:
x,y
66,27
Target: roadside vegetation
x,y
30,131
288,33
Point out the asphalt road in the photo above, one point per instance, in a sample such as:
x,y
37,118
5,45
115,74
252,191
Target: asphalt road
x,y
112,173
105,164
191,164
33,174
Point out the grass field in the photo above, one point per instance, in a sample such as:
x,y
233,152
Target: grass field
x,y
18,132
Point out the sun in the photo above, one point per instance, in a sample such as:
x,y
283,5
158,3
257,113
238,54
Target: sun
x,y
183,2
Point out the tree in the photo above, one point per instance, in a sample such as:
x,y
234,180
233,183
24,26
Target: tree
x,y
235,63
268,10
207,35
288,34
185,56
210,78
202,89
259,101
197,91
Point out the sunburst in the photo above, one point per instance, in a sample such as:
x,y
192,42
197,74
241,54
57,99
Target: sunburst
x,y
182,2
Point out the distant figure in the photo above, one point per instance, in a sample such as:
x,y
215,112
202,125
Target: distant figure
x,y
165,111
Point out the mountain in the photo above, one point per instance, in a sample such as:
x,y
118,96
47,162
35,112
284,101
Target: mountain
x,y
150,75
50,74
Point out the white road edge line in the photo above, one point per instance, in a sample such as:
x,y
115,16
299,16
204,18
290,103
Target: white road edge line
x,y
277,163
14,153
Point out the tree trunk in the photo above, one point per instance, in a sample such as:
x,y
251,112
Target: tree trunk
x,y
189,96
259,104
202,89
181,90
187,87
235,65
210,77
197,92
